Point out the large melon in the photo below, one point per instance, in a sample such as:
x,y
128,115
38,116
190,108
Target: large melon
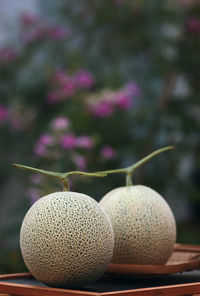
x,y
66,239
143,223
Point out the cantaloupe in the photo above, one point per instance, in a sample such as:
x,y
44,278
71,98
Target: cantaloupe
x,y
143,223
66,239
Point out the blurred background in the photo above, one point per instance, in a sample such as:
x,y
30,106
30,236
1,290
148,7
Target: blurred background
x,y
95,85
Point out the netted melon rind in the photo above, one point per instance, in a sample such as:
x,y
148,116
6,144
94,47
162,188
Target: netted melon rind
x,y
66,239
143,223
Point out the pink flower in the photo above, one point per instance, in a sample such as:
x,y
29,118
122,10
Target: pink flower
x,y
64,87
65,84
84,142
84,79
68,141
124,98
43,142
108,152
80,161
193,25
58,33
102,109
46,139
39,150
33,195
69,88
4,114
60,123
123,101
29,19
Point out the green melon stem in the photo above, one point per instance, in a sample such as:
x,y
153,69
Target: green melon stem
x,y
138,164
129,181
65,184
63,177
130,169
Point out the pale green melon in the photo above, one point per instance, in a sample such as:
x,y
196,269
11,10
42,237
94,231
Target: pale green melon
x,y
66,239
143,223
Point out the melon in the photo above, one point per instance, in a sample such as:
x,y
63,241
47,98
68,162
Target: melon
x,y
66,239
144,225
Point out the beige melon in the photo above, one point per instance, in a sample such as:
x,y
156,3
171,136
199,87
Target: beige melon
x,y
66,239
143,223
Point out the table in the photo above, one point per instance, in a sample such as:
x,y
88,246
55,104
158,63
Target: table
x,y
186,283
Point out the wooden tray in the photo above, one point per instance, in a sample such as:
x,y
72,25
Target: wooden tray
x,y
186,283
173,285
184,258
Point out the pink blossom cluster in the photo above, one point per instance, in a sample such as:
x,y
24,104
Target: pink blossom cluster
x,y
60,139
50,140
8,54
109,101
29,19
80,161
193,25
65,85
43,143
62,142
60,123
37,30
107,152
70,141
67,142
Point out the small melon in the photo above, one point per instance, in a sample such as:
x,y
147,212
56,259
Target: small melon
x,y
66,239
143,223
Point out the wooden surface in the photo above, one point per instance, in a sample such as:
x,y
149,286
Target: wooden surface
x,y
184,258
187,283
172,285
